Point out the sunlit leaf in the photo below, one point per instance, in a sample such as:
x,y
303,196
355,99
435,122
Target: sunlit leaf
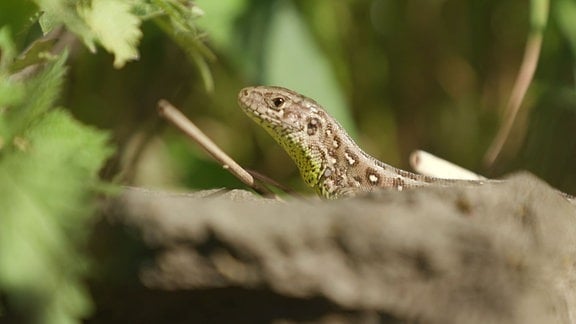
x,y
56,12
115,27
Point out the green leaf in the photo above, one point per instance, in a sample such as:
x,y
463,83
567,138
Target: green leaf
x,y
108,22
11,93
45,191
56,12
7,50
117,29
48,175
41,90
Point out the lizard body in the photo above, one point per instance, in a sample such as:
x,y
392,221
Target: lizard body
x,y
328,159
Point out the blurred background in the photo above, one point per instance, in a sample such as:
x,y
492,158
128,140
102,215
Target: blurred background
x,y
399,75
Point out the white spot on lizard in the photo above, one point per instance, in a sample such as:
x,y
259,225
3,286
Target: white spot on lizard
x,y
349,158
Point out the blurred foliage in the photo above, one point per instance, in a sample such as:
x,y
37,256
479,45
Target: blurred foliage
x,y
399,74
49,161
48,173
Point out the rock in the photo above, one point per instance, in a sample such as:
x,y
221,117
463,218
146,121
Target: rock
x,y
496,253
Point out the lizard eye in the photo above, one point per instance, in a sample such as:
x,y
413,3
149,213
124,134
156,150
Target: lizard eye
x,y
277,102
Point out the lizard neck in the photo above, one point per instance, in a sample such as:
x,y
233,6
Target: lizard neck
x,y
309,161
307,158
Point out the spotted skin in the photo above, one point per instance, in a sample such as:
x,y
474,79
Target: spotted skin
x,y
328,159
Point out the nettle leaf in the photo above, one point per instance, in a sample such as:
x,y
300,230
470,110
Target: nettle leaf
x,y
42,91
48,176
45,191
116,27
56,12
111,23
11,93
146,10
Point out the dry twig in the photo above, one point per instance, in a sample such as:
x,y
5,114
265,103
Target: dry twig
x,y
173,115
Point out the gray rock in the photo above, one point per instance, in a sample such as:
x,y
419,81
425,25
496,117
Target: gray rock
x,y
498,253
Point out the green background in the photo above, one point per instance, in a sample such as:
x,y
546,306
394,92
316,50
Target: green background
x,y
78,113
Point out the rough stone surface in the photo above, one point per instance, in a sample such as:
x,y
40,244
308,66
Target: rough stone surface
x,y
501,253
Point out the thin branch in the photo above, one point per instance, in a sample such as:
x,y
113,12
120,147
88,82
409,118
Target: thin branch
x,y
523,80
169,112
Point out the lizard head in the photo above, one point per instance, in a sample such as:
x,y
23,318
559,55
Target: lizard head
x,y
294,121
283,110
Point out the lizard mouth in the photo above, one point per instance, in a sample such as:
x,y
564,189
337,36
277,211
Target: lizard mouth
x,y
256,107
246,99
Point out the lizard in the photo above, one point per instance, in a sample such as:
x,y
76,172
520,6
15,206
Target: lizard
x,y
327,157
